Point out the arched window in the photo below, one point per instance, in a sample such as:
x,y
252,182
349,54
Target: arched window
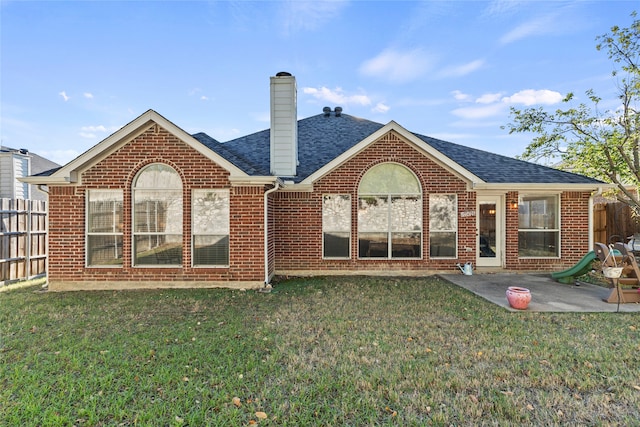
x,y
157,216
389,213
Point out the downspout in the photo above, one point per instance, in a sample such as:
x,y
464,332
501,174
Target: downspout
x,y
266,232
45,190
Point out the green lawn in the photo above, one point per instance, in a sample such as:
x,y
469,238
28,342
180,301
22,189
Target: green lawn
x,y
323,351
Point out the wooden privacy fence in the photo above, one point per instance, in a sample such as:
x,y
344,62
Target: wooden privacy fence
x,y
613,222
23,239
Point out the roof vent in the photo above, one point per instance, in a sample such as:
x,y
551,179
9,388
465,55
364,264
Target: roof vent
x,y
283,74
327,111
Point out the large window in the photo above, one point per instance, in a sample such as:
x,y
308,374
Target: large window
x,y
104,228
389,213
210,227
443,225
538,226
157,217
336,226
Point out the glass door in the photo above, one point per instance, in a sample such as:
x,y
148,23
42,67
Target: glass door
x,y
490,231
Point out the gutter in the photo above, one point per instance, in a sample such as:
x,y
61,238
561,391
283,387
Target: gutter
x,y
266,234
45,189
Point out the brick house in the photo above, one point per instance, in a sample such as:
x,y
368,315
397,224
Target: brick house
x,y
152,206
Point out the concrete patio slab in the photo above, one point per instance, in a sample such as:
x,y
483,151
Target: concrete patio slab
x,y
546,294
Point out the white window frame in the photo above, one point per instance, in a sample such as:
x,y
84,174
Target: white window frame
x,y
114,226
453,229
389,231
557,229
331,228
180,199
226,194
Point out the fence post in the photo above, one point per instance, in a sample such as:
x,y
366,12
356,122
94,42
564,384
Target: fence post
x,y
28,243
20,256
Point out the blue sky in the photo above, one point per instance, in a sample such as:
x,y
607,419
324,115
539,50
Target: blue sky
x,y
74,72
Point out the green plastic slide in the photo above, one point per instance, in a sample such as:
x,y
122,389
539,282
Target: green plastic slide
x,y
582,267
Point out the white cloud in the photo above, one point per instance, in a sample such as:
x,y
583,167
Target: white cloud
x,y
460,96
483,112
535,27
64,96
398,66
98,128
337,96
532,97
494,104
380,108
489,98
88,95
90,132
204,98
462,70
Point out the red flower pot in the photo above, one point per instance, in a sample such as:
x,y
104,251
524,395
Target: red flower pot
x,y
518,298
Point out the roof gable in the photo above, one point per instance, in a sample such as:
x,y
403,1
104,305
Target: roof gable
x,y
69,173
409,138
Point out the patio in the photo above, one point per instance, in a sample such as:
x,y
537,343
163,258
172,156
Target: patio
x,y
547,294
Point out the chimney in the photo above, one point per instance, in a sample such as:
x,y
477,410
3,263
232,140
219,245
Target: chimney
x,y
284,125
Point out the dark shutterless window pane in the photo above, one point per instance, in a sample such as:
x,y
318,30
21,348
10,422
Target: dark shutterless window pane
x,y
211,250
406,245
336,245
538,244
158,249
442,245
104,250
373,245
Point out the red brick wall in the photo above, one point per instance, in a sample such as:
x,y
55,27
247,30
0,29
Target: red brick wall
x,y
299,214
574,234
117,171
299,218
295,237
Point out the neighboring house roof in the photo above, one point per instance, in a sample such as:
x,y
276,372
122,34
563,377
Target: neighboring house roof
x,y
322,139
38,163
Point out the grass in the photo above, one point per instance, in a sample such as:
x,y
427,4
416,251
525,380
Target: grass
x,y
322,351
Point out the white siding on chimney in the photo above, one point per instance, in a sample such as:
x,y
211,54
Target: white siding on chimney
x,y
284,126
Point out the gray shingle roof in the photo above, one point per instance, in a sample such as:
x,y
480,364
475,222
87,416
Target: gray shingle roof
x,y
323,138
494,168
